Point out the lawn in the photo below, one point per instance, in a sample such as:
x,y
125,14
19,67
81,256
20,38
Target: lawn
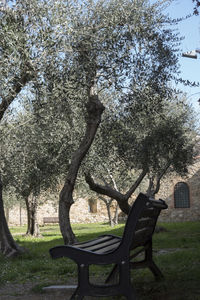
x,y
176,251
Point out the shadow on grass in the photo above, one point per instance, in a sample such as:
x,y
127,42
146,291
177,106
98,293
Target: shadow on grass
x,y
181,267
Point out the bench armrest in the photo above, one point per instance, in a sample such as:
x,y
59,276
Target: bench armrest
x,y
82,256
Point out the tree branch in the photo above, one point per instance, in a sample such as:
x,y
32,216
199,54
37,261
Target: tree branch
x,y
104,190
19,83
122,199
159,178
136,184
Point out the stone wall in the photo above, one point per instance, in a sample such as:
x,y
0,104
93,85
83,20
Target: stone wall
x,y
80,212
167,193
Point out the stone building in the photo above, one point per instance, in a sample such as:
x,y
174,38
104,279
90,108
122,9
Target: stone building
x,y
181,194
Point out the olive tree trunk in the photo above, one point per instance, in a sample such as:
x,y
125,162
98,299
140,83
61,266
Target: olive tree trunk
x,y
32,222
94,111
116,215
8,246
108,207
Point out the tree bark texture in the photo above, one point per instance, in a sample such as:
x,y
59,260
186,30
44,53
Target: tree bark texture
x,y
108,204
94,111
109,213
8,246
32,223
116,216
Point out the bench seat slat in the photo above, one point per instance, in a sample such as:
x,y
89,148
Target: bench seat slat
x,y
98,240
102,245
108,248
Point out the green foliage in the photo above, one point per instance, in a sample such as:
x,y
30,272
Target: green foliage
x,y
66,47
68,43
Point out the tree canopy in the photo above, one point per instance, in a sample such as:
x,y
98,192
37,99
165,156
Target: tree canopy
x,y
77,59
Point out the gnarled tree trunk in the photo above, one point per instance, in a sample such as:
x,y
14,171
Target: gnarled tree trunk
x,y
32,222
8,246
94,111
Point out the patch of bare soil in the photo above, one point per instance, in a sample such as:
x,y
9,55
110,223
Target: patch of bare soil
x,y
11,291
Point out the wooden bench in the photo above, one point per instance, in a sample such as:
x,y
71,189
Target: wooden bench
x,y
50,220
110,249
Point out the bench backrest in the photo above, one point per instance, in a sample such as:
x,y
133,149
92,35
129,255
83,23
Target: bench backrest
x,y
141,221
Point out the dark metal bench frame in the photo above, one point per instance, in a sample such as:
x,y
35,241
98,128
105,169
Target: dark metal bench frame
x,y
110,249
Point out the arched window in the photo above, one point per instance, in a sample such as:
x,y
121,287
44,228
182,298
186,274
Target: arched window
x,y
181,195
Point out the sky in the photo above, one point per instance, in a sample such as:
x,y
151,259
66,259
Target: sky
x,y
190,30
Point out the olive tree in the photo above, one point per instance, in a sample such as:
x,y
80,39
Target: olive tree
x,y
16,72
36,146
108,42
74,51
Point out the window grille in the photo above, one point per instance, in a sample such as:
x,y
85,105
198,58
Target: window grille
x,y
181,195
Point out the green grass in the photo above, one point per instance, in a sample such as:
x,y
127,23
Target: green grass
x,y
180,262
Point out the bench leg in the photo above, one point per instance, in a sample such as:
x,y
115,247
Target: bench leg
x,y
83,282
112,277
130,294
151,264
125,281
156,271
123,288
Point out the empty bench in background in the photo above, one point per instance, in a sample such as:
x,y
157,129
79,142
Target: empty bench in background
x,y
50,220
110,249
